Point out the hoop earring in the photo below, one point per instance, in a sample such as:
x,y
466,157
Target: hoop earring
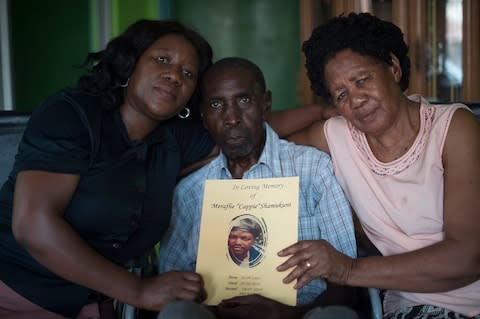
x,y
186,115
124,85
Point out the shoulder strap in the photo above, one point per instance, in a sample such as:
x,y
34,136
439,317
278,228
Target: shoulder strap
x,y
89,109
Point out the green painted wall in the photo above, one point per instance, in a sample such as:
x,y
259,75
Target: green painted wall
x,y
50,38
265,31
125,12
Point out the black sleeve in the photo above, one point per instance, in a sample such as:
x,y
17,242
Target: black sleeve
x,y
55,140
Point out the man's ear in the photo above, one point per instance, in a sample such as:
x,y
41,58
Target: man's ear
x,y
267,103
396,68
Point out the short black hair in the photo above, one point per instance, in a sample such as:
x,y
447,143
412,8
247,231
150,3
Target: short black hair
x,y
111,67
241,63
364,34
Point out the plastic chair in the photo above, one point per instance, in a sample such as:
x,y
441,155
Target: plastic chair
x,y
366,248
145,265
12,125
125,311
375,303
371,297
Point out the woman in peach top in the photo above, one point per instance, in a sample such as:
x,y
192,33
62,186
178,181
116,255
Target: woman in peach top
x,y
410,170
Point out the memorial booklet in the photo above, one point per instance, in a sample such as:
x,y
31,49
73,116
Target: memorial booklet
x,y
244,224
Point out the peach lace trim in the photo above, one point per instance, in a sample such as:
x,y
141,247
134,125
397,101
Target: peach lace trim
x,y
427,115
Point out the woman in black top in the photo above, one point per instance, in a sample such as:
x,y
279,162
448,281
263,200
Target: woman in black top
x,y
93,179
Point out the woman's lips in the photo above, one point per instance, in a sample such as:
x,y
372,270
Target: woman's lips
x,y
367,116
166,92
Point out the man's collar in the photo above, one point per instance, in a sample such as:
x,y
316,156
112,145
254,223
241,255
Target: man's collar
x,y
267,157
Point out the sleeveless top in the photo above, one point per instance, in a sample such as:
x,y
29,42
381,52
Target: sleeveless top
x,y
400,203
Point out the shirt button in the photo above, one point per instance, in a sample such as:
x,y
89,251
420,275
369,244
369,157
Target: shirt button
x,y
117,245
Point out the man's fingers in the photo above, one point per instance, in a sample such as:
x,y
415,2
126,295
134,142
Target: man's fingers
x,y
191,276
294,274
286,265
294,249
192,293
303,280
298,259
